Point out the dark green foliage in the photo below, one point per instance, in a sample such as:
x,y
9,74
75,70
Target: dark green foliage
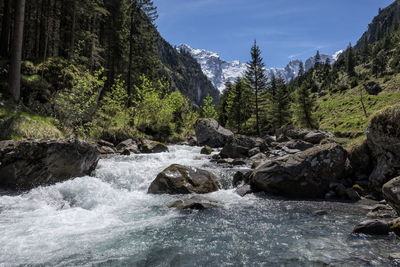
x,y
350,64
257,79
304,105
239,107
280,105
222,108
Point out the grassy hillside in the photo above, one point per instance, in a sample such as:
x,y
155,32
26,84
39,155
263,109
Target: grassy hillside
x,y
343,114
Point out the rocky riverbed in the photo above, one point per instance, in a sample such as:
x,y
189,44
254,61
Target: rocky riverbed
x,y
109,219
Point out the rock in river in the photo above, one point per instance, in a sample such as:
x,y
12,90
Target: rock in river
x,y
178,179
210,133
391,192
306,174
27,164
372,227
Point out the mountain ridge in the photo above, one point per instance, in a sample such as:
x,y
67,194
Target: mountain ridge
x,y
220,71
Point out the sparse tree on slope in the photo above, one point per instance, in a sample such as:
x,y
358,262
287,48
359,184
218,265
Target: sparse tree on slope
x,y
350,64
304,106
257,79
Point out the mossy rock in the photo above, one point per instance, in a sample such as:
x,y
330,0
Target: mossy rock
x,y
21,127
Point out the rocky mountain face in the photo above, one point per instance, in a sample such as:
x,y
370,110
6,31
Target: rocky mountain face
x,y
387,21
185,73
220,71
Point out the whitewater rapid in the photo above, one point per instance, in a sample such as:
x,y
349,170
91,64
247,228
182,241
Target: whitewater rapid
x,y
108,219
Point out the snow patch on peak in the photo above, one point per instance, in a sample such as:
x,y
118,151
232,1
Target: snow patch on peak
x,y
219,71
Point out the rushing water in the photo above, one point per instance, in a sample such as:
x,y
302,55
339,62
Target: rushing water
x,y
109,220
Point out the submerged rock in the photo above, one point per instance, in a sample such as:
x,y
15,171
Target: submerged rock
x,y
206,150
31,163
193,203
178,179
306,174
372,227
210,133
391,192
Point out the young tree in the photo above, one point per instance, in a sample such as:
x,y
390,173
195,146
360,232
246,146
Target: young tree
x,y
257,79
280,105
208,109
304,106
239,106
317,63
14,81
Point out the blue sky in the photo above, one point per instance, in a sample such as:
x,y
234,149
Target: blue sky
x,y
284,29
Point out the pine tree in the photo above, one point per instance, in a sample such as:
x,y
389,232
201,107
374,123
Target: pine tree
x,y
239,107
280,105
350,64
303,107
208,109
223,104
257,79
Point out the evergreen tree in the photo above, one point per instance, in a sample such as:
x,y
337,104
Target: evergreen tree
x,y
304,105
255,75
223,104
239,107
350,63
280,105
208,109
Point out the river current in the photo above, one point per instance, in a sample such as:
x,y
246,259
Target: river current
x,y
109,220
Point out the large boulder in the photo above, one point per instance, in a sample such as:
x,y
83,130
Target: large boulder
x,y
239,146
31,163
391,192
306,174
373,88
210,133
383,140
128,146
178,179
360,160
372,227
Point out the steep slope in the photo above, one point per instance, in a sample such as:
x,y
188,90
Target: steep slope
x,y
387,21
185,73
220,71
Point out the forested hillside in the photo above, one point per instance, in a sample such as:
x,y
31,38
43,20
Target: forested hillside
x,y
337,97
94,68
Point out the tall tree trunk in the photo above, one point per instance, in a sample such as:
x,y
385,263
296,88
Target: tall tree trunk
x,y
16,51
5,29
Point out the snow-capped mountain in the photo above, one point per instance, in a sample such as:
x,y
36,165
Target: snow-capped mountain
x,y
220,71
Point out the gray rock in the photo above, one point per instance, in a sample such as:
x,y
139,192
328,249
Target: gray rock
x,y
320,213
31,163
128,145
352,195
104,150
306,174
373,88
372,227
178,179
210,133
244,190
193,203
315,137
395,257
238,146
383,139
254,151
105,143
391,193
298,144
206,150
148,146
241,177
